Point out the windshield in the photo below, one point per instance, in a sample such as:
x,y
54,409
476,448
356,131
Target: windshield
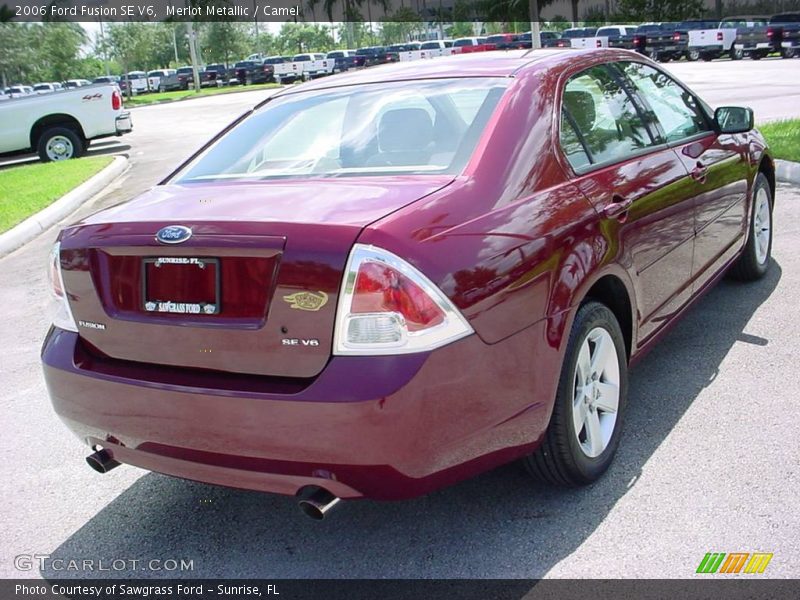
x,y
409,127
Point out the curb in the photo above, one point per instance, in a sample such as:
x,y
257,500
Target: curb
x,y
186,98
47,217
787,171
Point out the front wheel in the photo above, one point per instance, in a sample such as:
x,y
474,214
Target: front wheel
x,y
754,261
584,428
59,143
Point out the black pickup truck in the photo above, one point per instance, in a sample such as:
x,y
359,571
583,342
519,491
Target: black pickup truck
x,y
656,40
248,72
781,34
375,55
344,60
215,74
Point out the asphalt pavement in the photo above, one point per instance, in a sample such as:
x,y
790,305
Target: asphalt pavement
x,y
709,459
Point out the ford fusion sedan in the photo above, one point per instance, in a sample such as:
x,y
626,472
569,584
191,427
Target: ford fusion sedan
x,y
383,283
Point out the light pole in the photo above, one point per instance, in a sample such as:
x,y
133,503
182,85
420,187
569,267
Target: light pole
x,y
536,38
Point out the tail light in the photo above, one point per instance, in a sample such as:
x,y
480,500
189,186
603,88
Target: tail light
x,y
676,36
386,306
770,32
62,314
116,100
719,36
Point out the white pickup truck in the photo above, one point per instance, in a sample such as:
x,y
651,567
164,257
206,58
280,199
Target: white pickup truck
x,y
715,43
304,66
60,125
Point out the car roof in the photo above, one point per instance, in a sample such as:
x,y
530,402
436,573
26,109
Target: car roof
x,y
478,64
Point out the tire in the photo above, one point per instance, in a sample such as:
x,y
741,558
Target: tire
x,y
755,258
735,54
692,55
161,89
788,52
569,457
59,143
663,58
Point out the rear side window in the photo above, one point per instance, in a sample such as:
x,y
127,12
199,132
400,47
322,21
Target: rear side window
x,y
675,109
603,118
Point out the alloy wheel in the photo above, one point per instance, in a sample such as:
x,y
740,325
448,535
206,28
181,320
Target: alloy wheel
x,y
596,390
761,226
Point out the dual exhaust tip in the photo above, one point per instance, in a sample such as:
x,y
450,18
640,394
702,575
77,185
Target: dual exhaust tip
x,y
314,502
102,461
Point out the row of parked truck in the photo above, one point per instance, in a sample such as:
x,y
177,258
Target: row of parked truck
x,y
697,39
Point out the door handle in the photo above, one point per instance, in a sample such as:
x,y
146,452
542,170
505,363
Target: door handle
x,y
699,172
618,208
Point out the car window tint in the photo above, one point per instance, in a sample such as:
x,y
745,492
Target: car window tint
x,y
572,145
605,116
675,108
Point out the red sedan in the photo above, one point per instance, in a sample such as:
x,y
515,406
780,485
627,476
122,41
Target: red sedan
x,y
380,283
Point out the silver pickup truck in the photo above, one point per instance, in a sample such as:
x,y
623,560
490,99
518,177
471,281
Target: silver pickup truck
x,y
60,125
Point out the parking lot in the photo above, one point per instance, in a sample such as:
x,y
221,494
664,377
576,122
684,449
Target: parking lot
x,y
708,460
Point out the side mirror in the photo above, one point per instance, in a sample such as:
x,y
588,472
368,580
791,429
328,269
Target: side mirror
x,y
734,119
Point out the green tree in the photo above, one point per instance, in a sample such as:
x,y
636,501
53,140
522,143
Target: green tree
x,y
224,41
304,37
659,10
403,25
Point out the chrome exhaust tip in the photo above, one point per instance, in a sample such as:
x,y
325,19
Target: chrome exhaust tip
x,y
317,502
101,461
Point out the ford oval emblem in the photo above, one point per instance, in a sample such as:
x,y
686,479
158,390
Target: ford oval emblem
x,y
173,234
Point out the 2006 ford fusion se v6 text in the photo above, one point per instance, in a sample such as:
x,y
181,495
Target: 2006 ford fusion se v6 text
x,y
380,283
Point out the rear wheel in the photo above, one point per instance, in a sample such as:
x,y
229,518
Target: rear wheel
x,y
584,428
788,52
736,54
754,261
693,55
59,143
162,89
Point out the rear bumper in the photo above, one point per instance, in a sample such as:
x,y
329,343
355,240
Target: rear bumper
x,y
379,427
123,123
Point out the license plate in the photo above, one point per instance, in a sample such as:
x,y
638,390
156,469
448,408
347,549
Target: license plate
x,y
181,285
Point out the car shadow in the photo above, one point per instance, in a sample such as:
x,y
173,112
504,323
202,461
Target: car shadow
x,y
497,525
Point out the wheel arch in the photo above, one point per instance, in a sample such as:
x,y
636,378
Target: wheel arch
x,y
610,290
55,120
767,167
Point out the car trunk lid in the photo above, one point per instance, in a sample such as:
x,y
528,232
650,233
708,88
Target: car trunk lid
x,y
253,289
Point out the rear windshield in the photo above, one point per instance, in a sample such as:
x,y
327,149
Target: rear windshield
x,y
410,127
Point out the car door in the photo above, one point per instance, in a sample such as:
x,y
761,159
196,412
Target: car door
x,y
637,184
716,166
